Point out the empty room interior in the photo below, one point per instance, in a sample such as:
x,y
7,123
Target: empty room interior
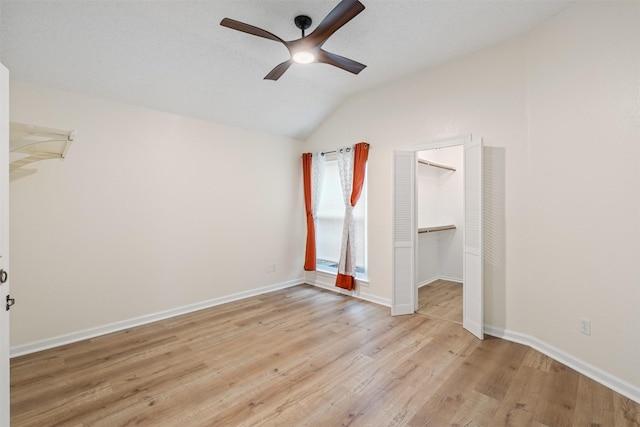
x,y
435,222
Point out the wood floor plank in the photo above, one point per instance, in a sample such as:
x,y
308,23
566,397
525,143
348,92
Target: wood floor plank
x,y
557,404
441,299
537,360
626,412
477,410
423,366
594,406
304,357
450,397
506,359
521,400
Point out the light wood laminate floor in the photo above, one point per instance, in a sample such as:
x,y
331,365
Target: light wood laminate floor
x,y
305,357
441,299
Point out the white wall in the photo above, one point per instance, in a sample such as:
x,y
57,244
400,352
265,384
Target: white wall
x,y
149,212
428,203
559,112
440,200
584,178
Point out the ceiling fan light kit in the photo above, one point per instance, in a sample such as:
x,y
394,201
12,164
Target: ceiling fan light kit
x,y
303,57
308,49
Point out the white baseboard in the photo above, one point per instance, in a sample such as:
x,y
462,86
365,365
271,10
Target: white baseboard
x,y
428,281
617,384
48,343
451,279
439,277
357,293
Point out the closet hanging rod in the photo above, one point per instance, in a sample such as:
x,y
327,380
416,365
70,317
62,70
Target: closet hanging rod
x,y
30,143
436,165
436,228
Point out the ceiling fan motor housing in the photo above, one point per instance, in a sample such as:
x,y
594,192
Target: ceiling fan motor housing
x,y
303,22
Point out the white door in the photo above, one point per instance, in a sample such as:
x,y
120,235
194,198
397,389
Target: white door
x,y
405,293
4,246
473,289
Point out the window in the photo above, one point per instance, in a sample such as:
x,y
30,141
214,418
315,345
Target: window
x,y
330,221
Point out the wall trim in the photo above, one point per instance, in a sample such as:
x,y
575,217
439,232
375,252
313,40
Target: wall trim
x,y
48,343
443,142
357,293
617,384
439,277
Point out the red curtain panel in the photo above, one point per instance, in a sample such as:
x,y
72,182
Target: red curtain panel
x,y
310,253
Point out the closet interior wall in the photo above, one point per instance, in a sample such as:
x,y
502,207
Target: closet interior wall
x,y
440,202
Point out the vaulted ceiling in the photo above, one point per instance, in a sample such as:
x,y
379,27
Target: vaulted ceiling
x,y
174,56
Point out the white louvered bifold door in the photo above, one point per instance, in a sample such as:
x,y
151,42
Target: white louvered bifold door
x,y
473,298
404,233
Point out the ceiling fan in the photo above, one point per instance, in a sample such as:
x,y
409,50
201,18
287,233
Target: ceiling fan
x,y
308,48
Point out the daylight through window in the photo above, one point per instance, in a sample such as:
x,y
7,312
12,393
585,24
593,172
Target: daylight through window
x,y
330,222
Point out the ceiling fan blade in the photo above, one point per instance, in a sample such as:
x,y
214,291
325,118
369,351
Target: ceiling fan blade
x,y
340,61
250,29
278,71
344,12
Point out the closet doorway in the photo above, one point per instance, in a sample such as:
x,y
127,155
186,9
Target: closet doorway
x,y
406,251
440,218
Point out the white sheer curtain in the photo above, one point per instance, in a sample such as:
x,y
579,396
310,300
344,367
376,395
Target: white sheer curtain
x,y
347,265
317,180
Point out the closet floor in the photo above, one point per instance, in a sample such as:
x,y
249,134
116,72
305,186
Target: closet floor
x,y
441,299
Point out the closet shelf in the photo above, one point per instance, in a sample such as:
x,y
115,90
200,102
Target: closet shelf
x,y
29,143
436,165
436,228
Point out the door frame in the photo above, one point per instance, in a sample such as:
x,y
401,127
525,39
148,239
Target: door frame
x,y
408,304
4,247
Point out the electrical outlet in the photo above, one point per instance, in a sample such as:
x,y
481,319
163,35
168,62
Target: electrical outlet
x,y
585,326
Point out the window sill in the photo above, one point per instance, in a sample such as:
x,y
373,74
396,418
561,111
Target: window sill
x,y
333,273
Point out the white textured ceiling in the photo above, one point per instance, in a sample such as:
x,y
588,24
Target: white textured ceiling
x,y
174,56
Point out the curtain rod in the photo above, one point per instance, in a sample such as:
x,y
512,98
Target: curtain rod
x,y
335,151
322,153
